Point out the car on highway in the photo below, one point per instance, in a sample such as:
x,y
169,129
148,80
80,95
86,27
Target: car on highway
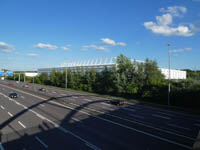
x,y
117,102
13,95
42,89
26,86
11,84
29,84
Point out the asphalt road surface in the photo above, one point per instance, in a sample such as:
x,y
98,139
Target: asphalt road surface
x,y
76,121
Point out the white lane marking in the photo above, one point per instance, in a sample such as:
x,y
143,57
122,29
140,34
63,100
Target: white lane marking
x,y
136,116
22,124
2,107
75,119
127,127
196,124
75,97
10,114
165,113
159,116
105,104
173,125
22,97
108,108
55,124
129,109
92,146
42,105
1,147
87,100
41,142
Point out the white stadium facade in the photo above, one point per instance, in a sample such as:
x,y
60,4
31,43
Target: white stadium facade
x,y
101,63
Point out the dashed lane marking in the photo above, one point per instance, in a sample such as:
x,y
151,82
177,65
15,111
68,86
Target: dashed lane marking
x,y
22,124
10,114
159,116
41,142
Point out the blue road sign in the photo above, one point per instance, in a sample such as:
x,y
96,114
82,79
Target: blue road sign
x,y
1,73
9,73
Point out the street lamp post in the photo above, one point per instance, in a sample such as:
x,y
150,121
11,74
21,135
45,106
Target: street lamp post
x,y
169,76
66,78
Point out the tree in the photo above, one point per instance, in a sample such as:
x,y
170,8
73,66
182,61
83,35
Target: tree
x,y
53,77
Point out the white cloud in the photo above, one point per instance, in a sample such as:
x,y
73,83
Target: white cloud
x,y
45,46
65,48
32,54
180,50
164,23
4,47
86,47
175,10
112,42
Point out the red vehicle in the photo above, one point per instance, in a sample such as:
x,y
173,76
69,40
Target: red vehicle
x,y
29,84
11,84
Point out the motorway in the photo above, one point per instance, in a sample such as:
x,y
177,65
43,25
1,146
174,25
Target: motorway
x,y
76,121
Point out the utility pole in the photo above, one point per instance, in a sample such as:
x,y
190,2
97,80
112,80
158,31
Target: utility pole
x,y
169,77
19,77
24,77
66,78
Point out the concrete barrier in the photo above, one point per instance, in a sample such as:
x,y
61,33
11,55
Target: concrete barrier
x,y
197,143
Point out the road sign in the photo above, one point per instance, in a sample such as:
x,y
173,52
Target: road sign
x,y
1,73
9,73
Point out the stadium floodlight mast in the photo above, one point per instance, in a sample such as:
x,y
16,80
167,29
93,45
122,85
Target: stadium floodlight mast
x,y
169,76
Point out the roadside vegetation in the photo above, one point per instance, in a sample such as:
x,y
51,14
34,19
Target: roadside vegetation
x,y
141,81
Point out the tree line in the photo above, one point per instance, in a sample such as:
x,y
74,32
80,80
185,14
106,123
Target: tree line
x,y
141,81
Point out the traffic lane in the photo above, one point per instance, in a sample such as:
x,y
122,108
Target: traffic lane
x,y
62,113
168,129
118,134
19,112
140,115
129,124
47,137
9,128
143,127
80,146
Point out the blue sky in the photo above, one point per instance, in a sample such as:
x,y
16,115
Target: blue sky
x,y
46,33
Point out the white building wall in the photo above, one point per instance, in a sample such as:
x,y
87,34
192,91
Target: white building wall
x,y
110,62
174,74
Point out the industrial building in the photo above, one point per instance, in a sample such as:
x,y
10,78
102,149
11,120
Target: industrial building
x,y
101,63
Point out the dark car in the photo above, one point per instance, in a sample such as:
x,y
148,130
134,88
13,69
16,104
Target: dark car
x,y
117,102
42,89
13,95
